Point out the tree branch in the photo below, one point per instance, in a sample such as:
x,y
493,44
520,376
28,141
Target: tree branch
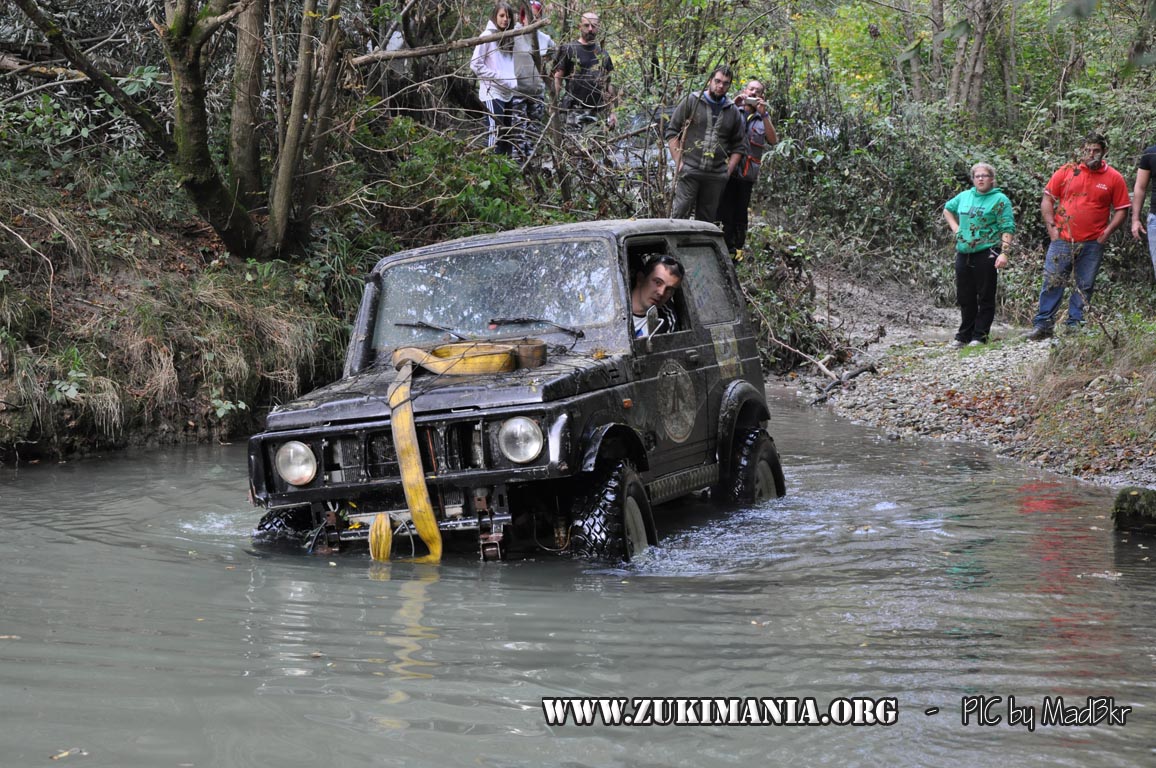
x,y
905,11
210,24
16,66
433,50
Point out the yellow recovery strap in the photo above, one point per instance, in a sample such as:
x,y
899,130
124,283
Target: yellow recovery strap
x,y
454,359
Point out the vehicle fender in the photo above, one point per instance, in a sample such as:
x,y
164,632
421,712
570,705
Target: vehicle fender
x,y
620,442
742,406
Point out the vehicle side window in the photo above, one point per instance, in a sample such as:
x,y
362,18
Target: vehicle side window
x,y
705,284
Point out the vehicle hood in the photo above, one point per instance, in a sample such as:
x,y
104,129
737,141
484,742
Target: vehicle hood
x,y
364,397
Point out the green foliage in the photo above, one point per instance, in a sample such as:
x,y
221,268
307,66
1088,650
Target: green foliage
x,y
71,385
334,270
223,407
430,188
141,79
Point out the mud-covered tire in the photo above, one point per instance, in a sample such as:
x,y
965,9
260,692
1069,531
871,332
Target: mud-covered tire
x,y
756,472
283,529
612,520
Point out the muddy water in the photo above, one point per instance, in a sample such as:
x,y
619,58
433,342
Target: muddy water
x,y
138,630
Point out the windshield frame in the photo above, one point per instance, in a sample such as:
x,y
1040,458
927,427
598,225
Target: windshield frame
x,y
608,331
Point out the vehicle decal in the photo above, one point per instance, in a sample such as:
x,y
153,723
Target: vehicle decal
x,y
677,400
726,350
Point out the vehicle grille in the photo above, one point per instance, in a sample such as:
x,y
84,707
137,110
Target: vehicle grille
x,y
367,456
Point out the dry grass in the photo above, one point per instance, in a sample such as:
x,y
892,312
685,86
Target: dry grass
x,y
280,341
102,403
1096,400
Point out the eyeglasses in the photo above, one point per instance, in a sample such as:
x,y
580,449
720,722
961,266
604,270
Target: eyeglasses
x,y
983,176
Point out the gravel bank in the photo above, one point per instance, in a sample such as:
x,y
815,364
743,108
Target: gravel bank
x,y
924,388
981,395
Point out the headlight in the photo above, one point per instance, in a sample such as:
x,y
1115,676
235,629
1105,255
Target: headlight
x,y
296,463
520,439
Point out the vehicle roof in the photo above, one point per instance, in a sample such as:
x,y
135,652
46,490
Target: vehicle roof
x,y
607,228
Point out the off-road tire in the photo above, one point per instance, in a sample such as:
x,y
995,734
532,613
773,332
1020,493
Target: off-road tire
x,y
600,529
283,529
756,472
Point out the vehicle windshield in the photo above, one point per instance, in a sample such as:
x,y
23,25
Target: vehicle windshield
x,y
528,289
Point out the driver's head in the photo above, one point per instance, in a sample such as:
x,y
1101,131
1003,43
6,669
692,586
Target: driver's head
x,y
656,282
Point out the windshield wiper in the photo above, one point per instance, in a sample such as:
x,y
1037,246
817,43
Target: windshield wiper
x,y
577,333
432,327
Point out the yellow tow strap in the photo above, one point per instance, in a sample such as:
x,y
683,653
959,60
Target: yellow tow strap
x,y
454,359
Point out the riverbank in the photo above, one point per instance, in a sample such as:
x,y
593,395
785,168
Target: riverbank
x,y
1037,402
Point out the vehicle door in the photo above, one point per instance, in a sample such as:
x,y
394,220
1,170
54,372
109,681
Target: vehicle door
x,y
669,407
713,296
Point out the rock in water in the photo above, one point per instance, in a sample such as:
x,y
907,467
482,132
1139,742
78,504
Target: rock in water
x,y
1135,510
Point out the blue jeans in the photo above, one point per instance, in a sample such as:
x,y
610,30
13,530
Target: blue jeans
x,y
1058,263
1152,239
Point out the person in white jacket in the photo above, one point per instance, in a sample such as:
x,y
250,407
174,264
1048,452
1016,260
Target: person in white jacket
x,y
493,63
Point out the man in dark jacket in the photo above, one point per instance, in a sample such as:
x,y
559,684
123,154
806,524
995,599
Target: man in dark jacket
x,y
705,138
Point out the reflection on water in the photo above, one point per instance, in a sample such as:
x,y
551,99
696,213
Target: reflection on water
x,y
137,626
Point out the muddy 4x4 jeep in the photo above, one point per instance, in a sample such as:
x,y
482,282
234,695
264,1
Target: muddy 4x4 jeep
x,y
562,432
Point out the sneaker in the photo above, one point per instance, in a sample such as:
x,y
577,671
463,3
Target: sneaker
x,y
1039,333
975,343
957,344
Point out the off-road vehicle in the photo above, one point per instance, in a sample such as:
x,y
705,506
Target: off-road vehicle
x,y
569,435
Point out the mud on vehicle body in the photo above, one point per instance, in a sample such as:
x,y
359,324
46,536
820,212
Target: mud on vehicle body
x,y
574,445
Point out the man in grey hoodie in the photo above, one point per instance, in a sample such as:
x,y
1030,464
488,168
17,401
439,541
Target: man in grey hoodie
x,y
705,138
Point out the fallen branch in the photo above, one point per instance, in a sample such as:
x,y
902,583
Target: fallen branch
x,y
842,381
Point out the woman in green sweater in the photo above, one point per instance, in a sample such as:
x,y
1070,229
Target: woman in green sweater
x,y
983,223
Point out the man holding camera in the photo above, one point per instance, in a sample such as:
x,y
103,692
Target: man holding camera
x,y
736,197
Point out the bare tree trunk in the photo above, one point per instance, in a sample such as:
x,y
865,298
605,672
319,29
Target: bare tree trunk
x,y
321,107
937,28
976,69
184,42
292,147
1009,69
278,75
1071,68
915,63
244,144
954,95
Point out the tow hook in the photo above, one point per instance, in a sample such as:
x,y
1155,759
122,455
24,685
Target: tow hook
x,y
492,547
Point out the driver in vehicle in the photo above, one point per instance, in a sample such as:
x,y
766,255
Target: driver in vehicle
x,y
654,286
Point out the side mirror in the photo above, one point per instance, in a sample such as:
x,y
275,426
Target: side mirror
x,y
652,323
652,320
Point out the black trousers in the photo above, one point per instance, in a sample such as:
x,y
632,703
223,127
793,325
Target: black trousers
x,y
975,281
732,212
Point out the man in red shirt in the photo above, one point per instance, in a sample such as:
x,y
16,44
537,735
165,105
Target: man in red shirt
x,y
1082,206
